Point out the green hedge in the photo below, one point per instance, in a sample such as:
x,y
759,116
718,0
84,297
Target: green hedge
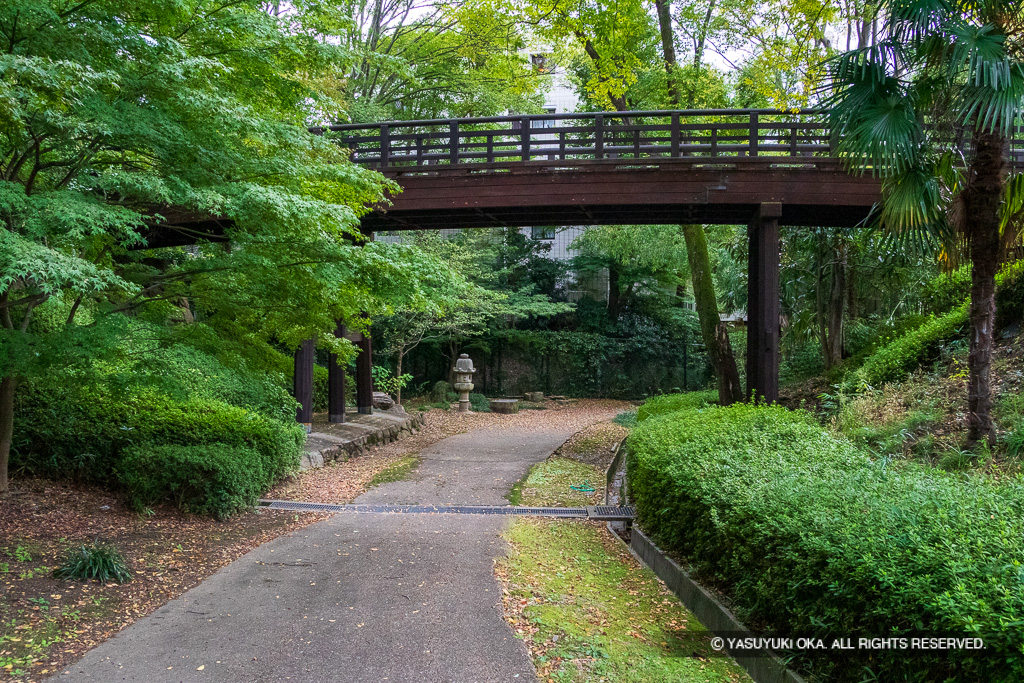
x,y
670,403
903,355
213,479
809,535
80,429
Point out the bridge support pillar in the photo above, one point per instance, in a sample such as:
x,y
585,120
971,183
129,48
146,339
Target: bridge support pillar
x,y
364,362
336,382
763,303
302,382
364,373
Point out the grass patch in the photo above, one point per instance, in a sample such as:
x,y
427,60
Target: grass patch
x,y
626,419
588,612
396,471
550,483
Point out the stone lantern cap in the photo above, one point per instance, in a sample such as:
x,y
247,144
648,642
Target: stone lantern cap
x,y
464,364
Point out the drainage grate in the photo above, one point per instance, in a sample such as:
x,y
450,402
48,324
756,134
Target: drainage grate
x,y
602,512
611,513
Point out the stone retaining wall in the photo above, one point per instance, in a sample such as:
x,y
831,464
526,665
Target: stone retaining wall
x,y
338,442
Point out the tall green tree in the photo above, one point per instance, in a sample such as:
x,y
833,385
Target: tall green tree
x,y
929,108
118,119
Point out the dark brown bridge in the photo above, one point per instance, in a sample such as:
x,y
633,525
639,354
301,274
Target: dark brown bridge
x,y
700,166
762,168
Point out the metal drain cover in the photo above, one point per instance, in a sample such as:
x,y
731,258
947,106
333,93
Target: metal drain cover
x,y
603,512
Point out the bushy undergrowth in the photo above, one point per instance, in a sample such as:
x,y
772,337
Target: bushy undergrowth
x,y
810,536
479,403
903,355
211,479
84,424
670,403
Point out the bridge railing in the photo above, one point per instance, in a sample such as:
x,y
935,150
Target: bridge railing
x,y
639,136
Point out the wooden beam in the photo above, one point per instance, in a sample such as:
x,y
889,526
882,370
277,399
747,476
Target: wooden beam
x,y
302,382
763,303
336,383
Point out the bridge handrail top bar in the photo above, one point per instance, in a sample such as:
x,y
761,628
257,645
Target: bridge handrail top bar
x,y
575,115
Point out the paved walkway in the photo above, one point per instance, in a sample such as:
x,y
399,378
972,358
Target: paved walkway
x,y
383,597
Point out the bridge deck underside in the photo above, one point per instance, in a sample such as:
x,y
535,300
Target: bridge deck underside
x,y
816,193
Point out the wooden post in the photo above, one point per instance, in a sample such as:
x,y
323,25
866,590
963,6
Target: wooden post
x,y
599,136
453,137
385,145
674,135
336,383
302,382
525,141
763,303
755,134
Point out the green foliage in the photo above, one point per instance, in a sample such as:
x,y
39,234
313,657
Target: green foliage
x,y
442,392
80,428
94,561
898,358
479,403
385,380
1015,444
209,479
809,535
670,403
627,419
946,291
1010,295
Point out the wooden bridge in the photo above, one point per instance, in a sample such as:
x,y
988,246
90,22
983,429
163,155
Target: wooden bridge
x,y
757,167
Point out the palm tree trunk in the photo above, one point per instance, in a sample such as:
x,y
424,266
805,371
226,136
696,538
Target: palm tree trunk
x,y
7,386
982,202
713,330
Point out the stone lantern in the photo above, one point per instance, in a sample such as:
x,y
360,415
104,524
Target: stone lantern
x,y
464,381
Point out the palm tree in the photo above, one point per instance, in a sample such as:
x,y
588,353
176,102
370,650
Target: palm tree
x,y
931,109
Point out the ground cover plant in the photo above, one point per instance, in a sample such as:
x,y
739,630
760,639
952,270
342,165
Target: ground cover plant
x,y
588,611
48,619
810,535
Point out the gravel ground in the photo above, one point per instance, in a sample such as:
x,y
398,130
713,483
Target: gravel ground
x,y
344,482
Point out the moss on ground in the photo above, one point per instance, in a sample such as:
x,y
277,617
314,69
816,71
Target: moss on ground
x,y
550,483
396,471
588,611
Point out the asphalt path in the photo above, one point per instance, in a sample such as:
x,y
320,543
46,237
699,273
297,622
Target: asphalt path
x,y
367,597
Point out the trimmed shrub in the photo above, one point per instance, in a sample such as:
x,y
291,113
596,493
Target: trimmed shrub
x,y
79,430
479,403
811,537
212,479
900,357
670,403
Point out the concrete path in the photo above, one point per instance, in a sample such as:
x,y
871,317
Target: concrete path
x,y
384,597
475,468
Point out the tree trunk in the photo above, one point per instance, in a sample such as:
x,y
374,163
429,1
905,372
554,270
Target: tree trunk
x,y
614,295
7,387
668,49
982,202
836,301
398,374
713,330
